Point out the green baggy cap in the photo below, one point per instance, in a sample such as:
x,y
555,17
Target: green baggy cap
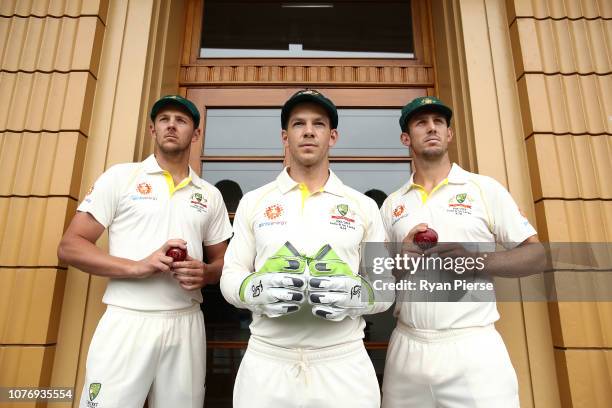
x,y
430,103
309,95
176,100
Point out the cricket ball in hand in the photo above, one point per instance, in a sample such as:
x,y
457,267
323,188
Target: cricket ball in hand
x,y
177,254
426,239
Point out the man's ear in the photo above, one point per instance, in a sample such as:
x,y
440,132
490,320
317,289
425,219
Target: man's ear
x,y
196,135
333,137
284,137
152,129
451,134
405,139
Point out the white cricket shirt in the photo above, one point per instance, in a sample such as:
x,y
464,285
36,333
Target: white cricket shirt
x,y
465,207
142,209
284,211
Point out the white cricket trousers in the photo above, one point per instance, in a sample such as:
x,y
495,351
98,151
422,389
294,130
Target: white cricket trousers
x,y
133,354
330,377
463,368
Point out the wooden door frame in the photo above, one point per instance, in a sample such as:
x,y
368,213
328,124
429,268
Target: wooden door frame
x,y
205,98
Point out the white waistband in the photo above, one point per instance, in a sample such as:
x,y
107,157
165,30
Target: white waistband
x,y
297,354
155,313
431,336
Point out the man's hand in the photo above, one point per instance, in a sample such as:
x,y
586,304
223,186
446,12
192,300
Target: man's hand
x,y
158,261
191,273
408,246
335,291
278,287
273,294
336,297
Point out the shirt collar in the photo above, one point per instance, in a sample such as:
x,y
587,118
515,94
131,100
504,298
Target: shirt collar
x,y
151,166
333,185
456,175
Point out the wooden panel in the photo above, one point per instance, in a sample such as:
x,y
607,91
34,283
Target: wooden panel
x,y
55,8
29,305
494,113
46,102
574,221
276,97
25,366
563,46
41,164
581,324
311,75
566,103
31,228
585,377
569,166
139,60
559,8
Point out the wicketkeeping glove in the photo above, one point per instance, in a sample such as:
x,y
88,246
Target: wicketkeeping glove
x,y
335,291
278,287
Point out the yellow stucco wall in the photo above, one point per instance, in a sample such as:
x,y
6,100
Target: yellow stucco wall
x,y
49,54
563,68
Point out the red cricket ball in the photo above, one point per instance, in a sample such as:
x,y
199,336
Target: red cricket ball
x,y
177,254
426,239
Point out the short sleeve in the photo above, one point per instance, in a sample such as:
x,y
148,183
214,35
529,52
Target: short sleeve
x,y
385,213
509,225
102,199
218,228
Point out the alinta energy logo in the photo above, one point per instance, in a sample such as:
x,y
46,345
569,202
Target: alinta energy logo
x,y
274,211
399,213
144,191
144,188
273,216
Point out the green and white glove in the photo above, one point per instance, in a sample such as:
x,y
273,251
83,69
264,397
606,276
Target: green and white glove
x,y
335,291
277,289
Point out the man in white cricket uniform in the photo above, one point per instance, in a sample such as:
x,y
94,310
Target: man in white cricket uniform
x,y
294,262
151,339
448,354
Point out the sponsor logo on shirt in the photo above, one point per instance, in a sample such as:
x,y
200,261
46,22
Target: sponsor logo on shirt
x,y
399,210
198,202
460,204
342,217
87,195
94,390
144,191
144,188
273,213
399,213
